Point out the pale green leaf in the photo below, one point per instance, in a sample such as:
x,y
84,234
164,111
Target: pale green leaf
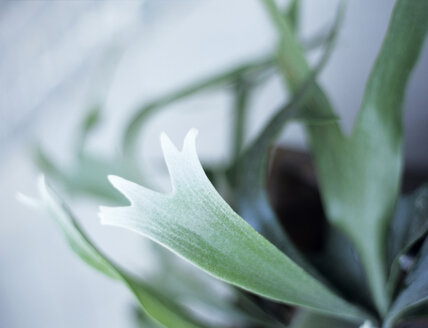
x,y
293,13
133,128
86,175
415,293
222,79
159,308
248,174
240,107
359,175
197,224
193,288
91,120
409,225
306,319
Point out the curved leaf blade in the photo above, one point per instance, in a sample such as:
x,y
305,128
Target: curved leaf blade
x,y
134,125
415,294
194,222
359,175
308,319
248,174
159,308
409,225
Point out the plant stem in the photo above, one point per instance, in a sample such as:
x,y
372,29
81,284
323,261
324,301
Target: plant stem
x,y
241,95
142,114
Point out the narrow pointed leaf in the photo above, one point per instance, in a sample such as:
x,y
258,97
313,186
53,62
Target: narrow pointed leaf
x,y
187,284
197,224
306,319
415,293
91,120
146,111
248,174
86,176
293,13
159,308
409,225
359,175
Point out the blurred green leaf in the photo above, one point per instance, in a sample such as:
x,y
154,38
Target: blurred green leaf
x,y
248,174
87,175
196,223
241,96
142,320
146,111
350,279
415,293
359,175
293,13
306,319
409,225
161,309
89,123
48,166
182,282
222,79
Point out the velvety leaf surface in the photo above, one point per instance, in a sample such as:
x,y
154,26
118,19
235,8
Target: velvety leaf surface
x,y
195,289
161,309
196,223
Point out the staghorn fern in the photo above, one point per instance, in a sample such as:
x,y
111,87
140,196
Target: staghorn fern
x,y
371,228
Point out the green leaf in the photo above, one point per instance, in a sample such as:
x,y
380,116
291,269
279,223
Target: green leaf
x,y
350,279
359,175
306,319
197,224
142,320
415,294
241,96
409,225
88,172
86,175
159,308
248,174
221,79
146,111
293,13
89,123
225,303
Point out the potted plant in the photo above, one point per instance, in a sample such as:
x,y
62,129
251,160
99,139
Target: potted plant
x,y
325,241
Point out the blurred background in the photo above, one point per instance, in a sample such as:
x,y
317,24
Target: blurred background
x,y
59,58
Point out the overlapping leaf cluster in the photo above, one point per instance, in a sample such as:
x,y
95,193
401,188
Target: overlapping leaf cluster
x,y
241,241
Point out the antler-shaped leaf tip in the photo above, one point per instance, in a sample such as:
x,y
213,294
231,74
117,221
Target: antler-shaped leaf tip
x,y
169,148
